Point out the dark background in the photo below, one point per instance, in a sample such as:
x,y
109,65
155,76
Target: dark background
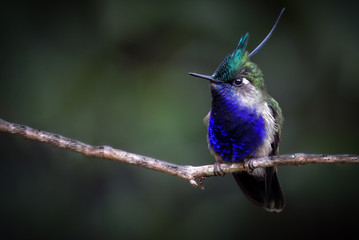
x,y
115,73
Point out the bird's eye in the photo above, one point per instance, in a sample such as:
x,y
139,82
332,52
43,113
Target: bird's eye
x,y
237,82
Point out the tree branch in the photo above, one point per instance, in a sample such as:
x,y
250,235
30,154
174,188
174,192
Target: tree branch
x,y
189,173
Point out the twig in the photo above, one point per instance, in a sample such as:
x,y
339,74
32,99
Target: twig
x,y
189,173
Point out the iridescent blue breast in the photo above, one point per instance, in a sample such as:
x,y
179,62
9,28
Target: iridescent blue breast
x,y
235,131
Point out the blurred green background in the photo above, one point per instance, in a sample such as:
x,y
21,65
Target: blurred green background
x,y
115,73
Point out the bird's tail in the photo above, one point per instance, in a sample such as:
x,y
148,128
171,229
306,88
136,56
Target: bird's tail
x,y
263,191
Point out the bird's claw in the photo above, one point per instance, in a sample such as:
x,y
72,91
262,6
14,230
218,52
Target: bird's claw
x,y
248,164
217,170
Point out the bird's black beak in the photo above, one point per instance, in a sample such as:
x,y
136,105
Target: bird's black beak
x,y
207,77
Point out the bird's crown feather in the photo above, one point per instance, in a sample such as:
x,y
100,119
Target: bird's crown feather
x,y
233,63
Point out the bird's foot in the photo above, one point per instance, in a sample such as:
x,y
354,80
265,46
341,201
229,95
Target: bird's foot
x,y
248,164
217,170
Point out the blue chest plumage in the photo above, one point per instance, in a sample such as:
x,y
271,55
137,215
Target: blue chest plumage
x,y
235,131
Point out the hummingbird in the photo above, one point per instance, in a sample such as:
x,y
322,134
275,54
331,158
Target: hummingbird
x,y
245,122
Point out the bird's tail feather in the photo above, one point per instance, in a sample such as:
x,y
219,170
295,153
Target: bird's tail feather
x,y
265,192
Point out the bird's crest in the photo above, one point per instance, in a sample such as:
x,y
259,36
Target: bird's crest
x,y
233,63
